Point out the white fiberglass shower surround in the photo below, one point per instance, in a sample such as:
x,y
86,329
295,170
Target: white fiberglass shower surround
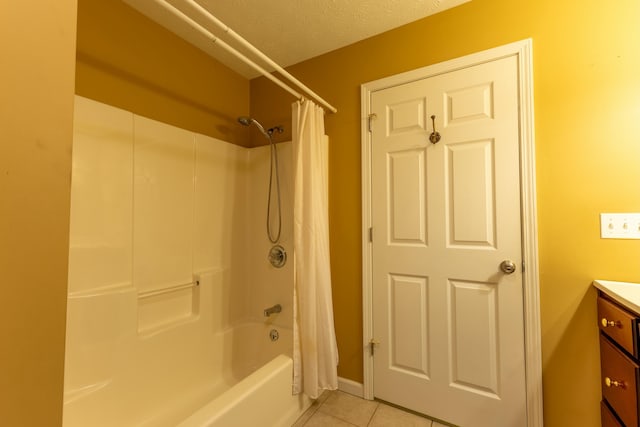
x,y
169,279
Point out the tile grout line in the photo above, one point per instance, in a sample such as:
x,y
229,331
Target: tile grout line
x,y
311,414
314,413
373,413
341,419
332,415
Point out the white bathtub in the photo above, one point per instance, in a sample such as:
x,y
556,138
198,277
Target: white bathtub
x,y
192,373
262,399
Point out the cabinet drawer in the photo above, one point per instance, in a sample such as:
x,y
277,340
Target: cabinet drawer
x,y
607,417
619,382
618,324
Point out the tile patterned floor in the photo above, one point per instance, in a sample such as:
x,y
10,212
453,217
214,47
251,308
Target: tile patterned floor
x,y
339,409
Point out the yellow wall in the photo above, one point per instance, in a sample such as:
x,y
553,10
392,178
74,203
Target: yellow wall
x,y
37,41
124,60
128,61
587,123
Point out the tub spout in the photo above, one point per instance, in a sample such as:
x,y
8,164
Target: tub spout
x,y
271,310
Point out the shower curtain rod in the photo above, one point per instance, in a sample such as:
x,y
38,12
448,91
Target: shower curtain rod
x,y
188,20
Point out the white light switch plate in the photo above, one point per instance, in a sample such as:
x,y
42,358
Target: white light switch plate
x,y
620,225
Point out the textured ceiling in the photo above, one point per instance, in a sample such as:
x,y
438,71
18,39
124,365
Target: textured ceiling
x,y
291,31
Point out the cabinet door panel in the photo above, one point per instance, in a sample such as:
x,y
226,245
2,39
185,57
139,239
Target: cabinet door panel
x,y
607,417
617,323
619,382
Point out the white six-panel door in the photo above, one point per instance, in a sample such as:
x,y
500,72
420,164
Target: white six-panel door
x,y
448,320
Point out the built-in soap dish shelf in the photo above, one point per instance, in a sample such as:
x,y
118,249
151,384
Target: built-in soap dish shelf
x,y
164,307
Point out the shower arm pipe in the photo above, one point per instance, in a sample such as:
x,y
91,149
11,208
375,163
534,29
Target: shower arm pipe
x,y
183,17
259,54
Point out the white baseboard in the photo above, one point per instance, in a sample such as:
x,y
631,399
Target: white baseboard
x,y
351,387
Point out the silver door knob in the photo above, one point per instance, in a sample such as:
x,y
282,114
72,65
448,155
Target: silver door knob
x,y
507,266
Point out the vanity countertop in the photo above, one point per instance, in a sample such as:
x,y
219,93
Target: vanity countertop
x,y
625,293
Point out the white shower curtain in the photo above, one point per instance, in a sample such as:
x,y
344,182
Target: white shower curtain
x,y
315,352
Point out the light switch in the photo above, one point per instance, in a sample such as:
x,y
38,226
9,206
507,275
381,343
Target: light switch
x,y
620,225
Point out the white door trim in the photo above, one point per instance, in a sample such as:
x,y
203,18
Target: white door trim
x,y
533,353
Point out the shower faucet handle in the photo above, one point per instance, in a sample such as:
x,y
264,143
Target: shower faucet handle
x,y
277,256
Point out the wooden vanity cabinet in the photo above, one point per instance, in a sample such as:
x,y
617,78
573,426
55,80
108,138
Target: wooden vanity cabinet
x,y
608,418
619,362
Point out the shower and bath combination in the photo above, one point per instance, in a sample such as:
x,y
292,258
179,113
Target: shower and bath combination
x,y
277,254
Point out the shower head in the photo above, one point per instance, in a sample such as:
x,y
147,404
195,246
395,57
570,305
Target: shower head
x,y
246,121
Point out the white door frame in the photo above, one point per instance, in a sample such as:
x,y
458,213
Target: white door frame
x,y
533,353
